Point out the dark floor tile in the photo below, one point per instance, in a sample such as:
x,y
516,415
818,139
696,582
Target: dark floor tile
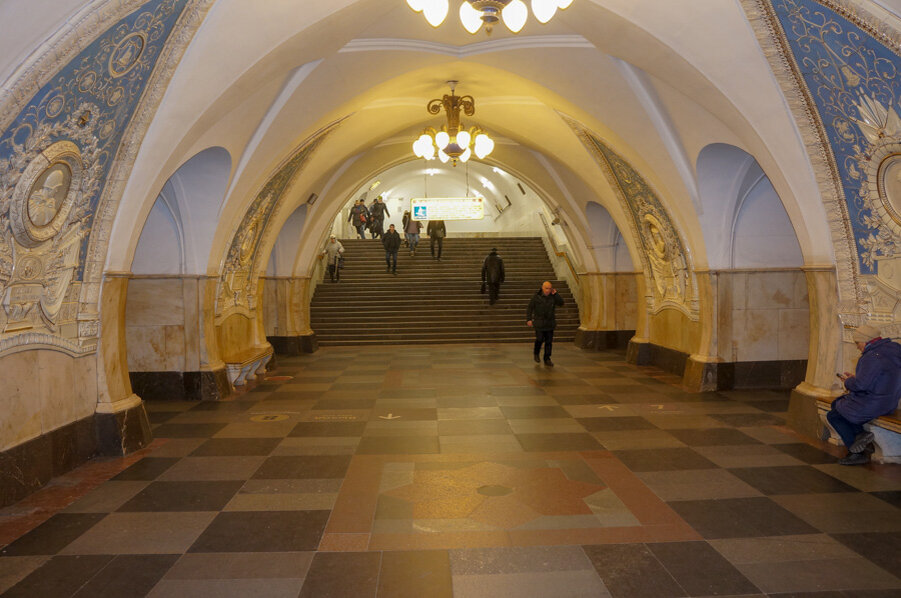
x,y
398,445
632,571
224,406
474,401
740,518
831,594
342,575
53,535
182,496
60,576
701,570
713,437
187,430
748,420
515,391
772,406
534,412
303,467
128,576
146,470
665,459
883,548
800,479
458,427
559,442
328,429
892,498
585,399
804,452
264,531
161,417
344,404
237,447
415,574
871,593
614,424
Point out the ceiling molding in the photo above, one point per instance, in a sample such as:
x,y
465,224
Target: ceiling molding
x,y
387,44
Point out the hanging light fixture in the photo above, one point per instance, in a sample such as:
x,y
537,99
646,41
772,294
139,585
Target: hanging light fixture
x,y
476,13
452,141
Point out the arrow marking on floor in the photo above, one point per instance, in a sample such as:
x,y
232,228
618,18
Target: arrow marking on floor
x,y
389,416
607,407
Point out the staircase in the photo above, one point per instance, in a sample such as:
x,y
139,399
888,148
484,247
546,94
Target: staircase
x,y
436,302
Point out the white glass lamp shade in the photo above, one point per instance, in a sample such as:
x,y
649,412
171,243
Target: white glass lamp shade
x,y
442,139
470,17
463,139
417,148
417,5
466,155
561,4
428,151
484,145
515,15
442,156
435,11
544,9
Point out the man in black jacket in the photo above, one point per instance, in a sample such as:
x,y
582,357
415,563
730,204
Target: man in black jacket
x,y
377,213
492,275
541,316
391,243
436,231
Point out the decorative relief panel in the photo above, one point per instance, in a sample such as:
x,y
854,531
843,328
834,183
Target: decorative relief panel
x,y
240,270
56,156
666,263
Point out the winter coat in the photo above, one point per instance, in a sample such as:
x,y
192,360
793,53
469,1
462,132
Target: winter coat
x,y
333,251
493,269
875,388
542,308
391,241
355,215
378,211
437,229
413,227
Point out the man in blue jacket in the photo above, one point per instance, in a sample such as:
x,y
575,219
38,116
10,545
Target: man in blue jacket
x,y
873,390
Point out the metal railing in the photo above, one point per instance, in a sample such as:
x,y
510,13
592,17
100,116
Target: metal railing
x,y
556,248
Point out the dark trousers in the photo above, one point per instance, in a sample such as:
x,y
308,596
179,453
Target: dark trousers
x,y
334,272
436,240
494,289
361,230
391,256
847,430
545,337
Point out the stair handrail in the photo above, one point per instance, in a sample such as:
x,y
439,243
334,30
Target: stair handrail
x,y
557,251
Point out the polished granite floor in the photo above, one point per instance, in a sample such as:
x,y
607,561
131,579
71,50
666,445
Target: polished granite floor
x,y
463,471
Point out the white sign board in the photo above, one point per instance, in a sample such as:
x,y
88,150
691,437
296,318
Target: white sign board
x,y
448,208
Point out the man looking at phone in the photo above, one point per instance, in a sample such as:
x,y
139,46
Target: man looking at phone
x,y
541,315
873,390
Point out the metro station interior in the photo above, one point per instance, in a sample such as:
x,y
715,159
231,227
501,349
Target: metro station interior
x,y
190,405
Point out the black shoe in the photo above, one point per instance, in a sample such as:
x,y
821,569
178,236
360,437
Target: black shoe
x,y
855,459
861,442
549,363
537,359
394,272
388,269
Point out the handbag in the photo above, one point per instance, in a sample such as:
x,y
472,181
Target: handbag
x,y
340,262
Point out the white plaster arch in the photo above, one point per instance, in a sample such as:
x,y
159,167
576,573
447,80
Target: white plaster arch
x,y
610,251
161,246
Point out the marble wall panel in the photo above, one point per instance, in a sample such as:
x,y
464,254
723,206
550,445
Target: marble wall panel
x,y
626,296
756,335
20,414
794,334
155,302
155,319
673,329
235,334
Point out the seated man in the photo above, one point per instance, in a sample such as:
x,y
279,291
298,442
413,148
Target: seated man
x,y
873,390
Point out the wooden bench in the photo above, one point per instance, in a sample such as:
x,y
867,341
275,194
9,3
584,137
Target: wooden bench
x,y
886,432
247,364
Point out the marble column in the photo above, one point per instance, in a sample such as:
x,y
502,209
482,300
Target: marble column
x,y
702,369
598,313
825,340
290,332
122,423
639,350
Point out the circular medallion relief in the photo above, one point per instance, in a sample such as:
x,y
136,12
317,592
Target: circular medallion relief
x,y
890,186
45,194
126,54
48,193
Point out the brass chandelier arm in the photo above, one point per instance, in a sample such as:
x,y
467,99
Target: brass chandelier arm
x,y
434,107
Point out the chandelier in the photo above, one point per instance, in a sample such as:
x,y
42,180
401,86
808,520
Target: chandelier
x,y
475,13
453,142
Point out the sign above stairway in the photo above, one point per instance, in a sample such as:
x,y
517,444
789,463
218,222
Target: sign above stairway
x,y
448,208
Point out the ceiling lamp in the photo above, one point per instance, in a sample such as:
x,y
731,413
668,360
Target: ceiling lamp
x,y
475,13
452,141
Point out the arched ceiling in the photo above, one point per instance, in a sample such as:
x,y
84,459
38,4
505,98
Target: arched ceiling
x,y
656,80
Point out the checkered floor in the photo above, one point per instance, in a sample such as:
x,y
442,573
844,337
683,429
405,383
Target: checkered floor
x,y
467,471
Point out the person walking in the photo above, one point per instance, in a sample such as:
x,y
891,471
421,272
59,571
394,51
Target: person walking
x,y
411,231
492,274
436,231
359,218
541,315
377,213
334,250
873,391
391,243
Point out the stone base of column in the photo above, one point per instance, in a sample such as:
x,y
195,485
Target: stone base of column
x,y
123,432
705,376
603,340
181,386
802,408
292,346
638,352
